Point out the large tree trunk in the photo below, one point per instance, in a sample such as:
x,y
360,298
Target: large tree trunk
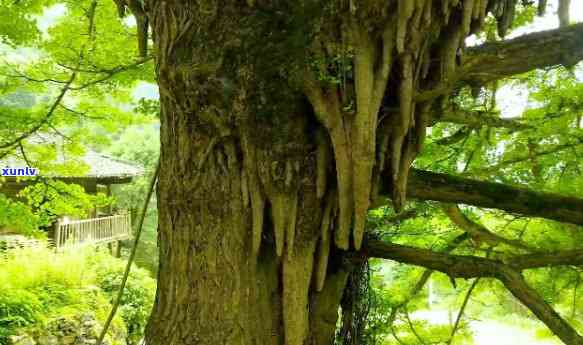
x,y
239,213
269,164
212,289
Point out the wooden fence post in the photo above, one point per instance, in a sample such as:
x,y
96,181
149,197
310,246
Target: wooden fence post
x,y
57,234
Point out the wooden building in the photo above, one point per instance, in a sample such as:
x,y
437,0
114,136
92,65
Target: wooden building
x,y
100,173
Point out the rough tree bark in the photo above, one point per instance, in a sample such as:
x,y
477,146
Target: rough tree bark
x,y
240,216
269,165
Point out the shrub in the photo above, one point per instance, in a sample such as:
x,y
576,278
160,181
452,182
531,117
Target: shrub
x,y
38,284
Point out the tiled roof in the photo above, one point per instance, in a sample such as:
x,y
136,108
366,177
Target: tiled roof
x,y
98,165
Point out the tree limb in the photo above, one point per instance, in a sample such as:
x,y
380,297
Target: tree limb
x,y
467,266
10,144
455,266
479,119
570,257
463,266
425,185
496,60
516,284
462,310
478,232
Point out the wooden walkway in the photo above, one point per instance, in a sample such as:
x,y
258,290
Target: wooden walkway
x,y
93,231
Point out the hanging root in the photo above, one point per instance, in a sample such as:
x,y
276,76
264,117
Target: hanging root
x,y
279,216
405,10
363,132
142,24
401,129
506,16
291,224
343,159
324,243
284,214
563,12
297,275
257,205
250,187
322,162
542,7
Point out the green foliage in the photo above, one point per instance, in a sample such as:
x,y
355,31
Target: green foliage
x,y
38,284
140,145
17,216
138,294
54,198
18,21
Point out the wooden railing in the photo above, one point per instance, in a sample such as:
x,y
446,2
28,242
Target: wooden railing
x,y
92,231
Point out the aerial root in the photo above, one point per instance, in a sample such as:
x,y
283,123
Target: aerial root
x,y
322,162
401,129
291,224
257,205
251,188
297,276
324,243
279,216
344,178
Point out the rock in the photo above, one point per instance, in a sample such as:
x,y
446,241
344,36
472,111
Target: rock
x,y
48,340
80,329
68,340
21,340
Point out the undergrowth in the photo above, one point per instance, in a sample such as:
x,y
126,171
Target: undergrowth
x,y
37,284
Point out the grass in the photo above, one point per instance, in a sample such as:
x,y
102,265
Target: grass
x,y
38,284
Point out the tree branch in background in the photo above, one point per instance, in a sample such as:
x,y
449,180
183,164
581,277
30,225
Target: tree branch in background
x,y
425,185
515,283
124,280
112,73
462,310
12,143
425,276
455,138
530,156
498,60
478,232
462,266
478,118
563,13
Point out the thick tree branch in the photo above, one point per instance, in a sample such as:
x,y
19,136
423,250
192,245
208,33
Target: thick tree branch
x,y
563,258
425,185
516,284
455,266
497,60
462,266
466,266
479,119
